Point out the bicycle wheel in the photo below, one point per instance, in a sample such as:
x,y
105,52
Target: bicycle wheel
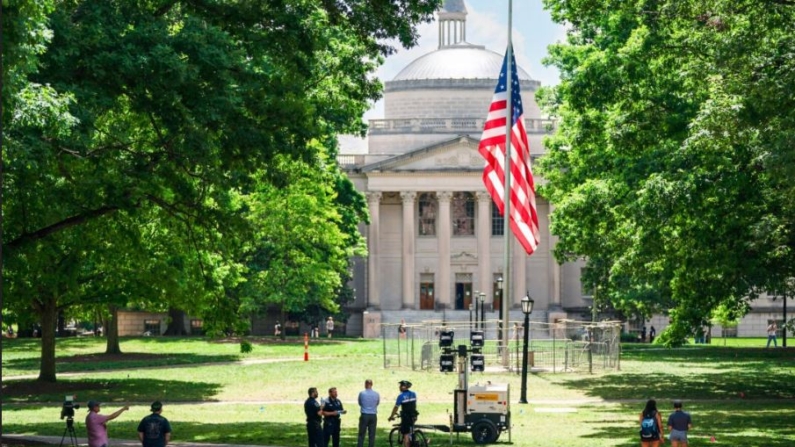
x,y
419,439
395,438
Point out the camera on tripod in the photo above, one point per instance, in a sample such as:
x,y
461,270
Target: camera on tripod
x,y
68,408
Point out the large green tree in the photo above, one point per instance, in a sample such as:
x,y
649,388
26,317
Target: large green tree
x,y
164,112
672,164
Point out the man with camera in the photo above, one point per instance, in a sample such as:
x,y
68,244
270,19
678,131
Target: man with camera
x,y
97,424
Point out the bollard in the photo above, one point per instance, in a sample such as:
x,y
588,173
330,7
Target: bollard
x,y
306,347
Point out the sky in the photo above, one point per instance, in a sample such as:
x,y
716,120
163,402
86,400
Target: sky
x,y
486,24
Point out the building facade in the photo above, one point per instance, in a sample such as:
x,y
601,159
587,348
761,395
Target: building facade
x,y
435,238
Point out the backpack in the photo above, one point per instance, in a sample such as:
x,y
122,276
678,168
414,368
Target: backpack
x,y
648,427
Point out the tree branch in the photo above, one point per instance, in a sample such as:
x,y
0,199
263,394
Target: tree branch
x,y
27,238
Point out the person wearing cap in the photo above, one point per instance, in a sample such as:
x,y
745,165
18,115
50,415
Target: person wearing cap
x,y
154,430
679,423
407,404
97,424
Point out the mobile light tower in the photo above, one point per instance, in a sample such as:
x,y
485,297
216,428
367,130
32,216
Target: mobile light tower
x,y
527,309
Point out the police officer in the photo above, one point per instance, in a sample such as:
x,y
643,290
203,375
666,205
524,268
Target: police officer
x,y
331,410
314,432
407,403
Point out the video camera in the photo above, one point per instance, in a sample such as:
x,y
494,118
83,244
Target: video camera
x,y
69,407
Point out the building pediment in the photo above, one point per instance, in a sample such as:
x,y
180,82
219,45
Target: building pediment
x,y
457,154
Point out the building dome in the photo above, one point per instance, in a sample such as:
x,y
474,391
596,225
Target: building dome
x,y
459,61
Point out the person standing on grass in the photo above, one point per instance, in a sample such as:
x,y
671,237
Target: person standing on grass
x,y
97,424
368,420
154,430
652,334
330,326
331,408
314,432
772,328
402,328
651,431
679,423
277,329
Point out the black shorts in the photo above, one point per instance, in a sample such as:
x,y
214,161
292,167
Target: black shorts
x,y
406,424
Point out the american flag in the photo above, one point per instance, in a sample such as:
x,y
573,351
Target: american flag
x,y
524,217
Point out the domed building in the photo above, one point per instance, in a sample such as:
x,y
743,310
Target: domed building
x,y
435,237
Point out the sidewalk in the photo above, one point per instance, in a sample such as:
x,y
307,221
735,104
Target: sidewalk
x,y
82,441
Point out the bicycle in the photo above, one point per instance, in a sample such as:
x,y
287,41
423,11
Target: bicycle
x,y
417,438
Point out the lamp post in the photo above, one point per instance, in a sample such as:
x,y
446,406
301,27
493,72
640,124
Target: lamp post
x,y
482,310
477,309
499,290
527,309
499,309
470,315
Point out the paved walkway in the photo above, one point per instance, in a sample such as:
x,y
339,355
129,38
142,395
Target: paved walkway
x,y
56,440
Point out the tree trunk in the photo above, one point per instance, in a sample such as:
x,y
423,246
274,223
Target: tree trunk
x,y
48,314
176,322
112,332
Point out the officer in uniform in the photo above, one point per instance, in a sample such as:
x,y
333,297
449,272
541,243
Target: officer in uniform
x,y
314,432
331,410
407,404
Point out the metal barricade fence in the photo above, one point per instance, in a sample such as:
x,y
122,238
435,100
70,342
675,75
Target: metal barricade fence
x,y
565,346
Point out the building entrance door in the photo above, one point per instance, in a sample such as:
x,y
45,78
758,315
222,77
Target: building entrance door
x,y
426,296
463,295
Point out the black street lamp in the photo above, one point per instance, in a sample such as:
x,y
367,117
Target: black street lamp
x,y
499,290
482,310
527,309
477,309
471,307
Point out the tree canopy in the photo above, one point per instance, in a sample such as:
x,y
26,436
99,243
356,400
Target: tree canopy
x,y
670,170
131,130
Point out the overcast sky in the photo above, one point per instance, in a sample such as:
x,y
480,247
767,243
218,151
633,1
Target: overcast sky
x,y
487,23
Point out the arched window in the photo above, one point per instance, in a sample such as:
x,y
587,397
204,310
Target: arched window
x,y
497,221
462,210
427,214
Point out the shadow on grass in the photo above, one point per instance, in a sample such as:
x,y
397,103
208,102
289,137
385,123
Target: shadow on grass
x,y
740,424
248,433
133,390
128,360
728,373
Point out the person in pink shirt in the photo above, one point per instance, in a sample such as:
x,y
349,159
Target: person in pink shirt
x,y
97,424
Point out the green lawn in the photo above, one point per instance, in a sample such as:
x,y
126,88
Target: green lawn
x,y
742,394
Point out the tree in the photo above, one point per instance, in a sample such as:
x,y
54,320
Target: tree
x,y
301,247
676,141
167,110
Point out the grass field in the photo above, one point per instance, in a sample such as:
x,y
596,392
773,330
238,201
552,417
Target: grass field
x,y
741,394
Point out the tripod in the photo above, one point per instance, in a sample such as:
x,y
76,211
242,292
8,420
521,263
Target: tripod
x,y
70,428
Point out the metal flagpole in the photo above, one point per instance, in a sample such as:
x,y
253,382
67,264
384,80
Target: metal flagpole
x,y
507,297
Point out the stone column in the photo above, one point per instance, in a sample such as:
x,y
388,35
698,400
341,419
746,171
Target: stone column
x,y
443,238
484,242
373,264
408,249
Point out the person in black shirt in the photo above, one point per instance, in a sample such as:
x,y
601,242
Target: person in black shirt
x,y
154,430
331,409
314,432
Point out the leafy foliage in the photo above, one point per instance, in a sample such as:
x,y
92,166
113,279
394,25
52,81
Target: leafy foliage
x,y
133,131
670,167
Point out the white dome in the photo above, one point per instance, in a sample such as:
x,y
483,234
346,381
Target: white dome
x,y
461,61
